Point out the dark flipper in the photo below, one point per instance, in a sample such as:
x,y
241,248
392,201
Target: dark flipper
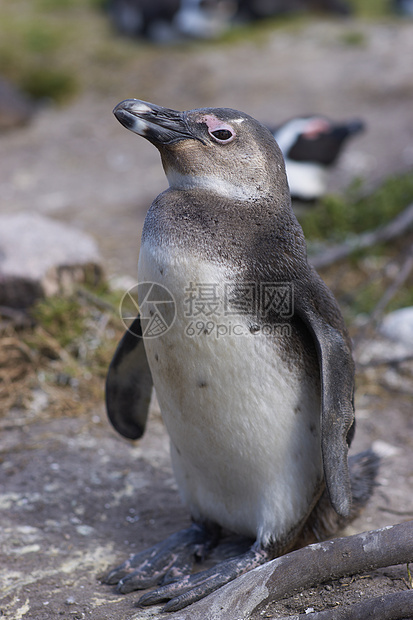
x,y
165,562
192,588
129,385
337,386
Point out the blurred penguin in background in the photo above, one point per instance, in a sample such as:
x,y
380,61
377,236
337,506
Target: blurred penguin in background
x,y
403,7
311,145
258,9
164,21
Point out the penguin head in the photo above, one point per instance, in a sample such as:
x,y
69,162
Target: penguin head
x,y
219,149
315,139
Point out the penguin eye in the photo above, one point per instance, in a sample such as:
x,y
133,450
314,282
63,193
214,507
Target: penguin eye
x,y
222,135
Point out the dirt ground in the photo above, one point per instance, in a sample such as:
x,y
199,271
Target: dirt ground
x,y
76,498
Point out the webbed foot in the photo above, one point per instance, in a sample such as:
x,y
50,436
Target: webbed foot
x,y
166,562
191,588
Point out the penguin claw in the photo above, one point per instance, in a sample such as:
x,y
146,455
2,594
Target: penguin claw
x,y
182,593
132,567
167,562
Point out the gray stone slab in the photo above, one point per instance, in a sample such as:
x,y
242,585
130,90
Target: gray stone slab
x,y
42,257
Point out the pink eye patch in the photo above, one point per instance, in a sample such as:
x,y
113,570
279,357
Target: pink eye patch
x,y
219,130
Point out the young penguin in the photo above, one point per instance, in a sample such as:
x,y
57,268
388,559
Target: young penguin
x,y
253,371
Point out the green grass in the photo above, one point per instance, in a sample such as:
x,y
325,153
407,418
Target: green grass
x,y
364,300
360,282
62,317
353,38
44,43
370,8
365,283
340,216
67,352
57,48
86,325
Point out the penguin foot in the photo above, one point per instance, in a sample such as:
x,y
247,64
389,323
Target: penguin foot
x,y
190,589
165,562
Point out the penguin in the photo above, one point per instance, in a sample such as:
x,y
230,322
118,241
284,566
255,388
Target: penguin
x,y
252,364
311,145
142,17
165,21
403,7
16,108
171,20
259,9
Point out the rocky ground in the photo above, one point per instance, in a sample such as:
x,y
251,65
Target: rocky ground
x,y
76,498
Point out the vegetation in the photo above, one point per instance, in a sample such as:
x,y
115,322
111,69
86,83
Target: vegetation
x,y
54,49
370,8
360,282
337,217
45,45
65,352
81,325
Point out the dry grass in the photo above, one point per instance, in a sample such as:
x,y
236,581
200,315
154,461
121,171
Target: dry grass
x,y
65,355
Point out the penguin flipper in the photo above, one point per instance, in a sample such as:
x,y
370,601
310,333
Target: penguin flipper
x,y
129,384
337,410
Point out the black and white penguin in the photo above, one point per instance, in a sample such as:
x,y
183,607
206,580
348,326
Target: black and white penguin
x,y
311,145
16,108
259,9
167,20
253,369
403,7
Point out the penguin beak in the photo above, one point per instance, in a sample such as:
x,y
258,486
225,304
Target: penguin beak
x,y
356,126
161,126
348,129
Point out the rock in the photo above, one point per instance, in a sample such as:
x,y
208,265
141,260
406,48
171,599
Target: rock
x,y
394,340
15,108
398,326
381,351
41,257
384,449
